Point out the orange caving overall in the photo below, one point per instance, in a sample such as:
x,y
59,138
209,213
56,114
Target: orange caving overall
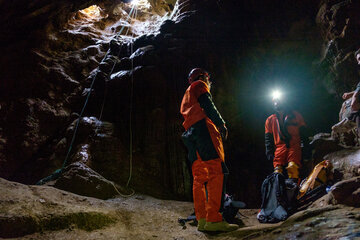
x,y
206,152
287,145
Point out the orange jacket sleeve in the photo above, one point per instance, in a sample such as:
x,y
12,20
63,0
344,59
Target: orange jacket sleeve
x,y
198,88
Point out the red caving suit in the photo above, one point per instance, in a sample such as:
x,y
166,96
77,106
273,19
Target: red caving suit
x,y
287,149
206,152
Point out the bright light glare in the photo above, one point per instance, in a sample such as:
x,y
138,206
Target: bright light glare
x,y
139,2
276,94
91,12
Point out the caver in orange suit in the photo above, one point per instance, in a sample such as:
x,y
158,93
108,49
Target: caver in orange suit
x,y
282,140
202,123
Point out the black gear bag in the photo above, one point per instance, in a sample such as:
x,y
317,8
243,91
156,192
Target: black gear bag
x,y
274,204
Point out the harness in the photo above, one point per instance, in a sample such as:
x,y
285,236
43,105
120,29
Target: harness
x,y
282,128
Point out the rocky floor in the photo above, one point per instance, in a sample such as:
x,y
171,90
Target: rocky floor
x,y
41,212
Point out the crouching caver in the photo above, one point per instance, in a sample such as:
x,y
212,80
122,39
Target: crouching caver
x,y
204,129
284,133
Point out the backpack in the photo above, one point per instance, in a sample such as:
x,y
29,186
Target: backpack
x,y
314,186
274,206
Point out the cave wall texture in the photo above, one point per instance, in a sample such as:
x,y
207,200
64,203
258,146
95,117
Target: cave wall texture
x,y
50,56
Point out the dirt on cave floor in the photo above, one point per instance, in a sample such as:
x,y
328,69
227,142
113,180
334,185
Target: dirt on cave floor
x,y
41,212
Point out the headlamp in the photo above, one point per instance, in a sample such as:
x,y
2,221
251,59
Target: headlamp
x,y
276,95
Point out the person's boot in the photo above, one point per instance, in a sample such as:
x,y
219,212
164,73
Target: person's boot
x,y
201,224
293,170
220,227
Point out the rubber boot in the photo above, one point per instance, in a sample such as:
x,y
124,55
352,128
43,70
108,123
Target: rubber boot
x,y
220,227
293,170
201,224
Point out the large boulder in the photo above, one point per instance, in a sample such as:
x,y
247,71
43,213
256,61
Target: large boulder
x,y
323,144
345,162
80,179
345,192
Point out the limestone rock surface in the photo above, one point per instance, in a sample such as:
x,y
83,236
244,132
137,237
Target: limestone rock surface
x,y
43,212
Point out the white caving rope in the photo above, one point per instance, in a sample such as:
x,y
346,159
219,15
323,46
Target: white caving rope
x,y
130,112
131,108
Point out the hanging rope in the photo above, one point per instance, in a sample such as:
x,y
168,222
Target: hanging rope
x,y
130,120
57,173
130,114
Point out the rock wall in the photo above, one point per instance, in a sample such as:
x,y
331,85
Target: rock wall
x,y
339,22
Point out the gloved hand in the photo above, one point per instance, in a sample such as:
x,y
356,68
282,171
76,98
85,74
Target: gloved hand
x,y
223,132
270,156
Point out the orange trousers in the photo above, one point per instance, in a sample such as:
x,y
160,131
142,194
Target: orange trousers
x,y
284,155
209,177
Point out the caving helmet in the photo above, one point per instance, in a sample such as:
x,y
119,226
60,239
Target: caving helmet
x,y
196,73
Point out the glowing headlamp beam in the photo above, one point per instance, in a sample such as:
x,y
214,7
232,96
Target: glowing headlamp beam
x,y
276,94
